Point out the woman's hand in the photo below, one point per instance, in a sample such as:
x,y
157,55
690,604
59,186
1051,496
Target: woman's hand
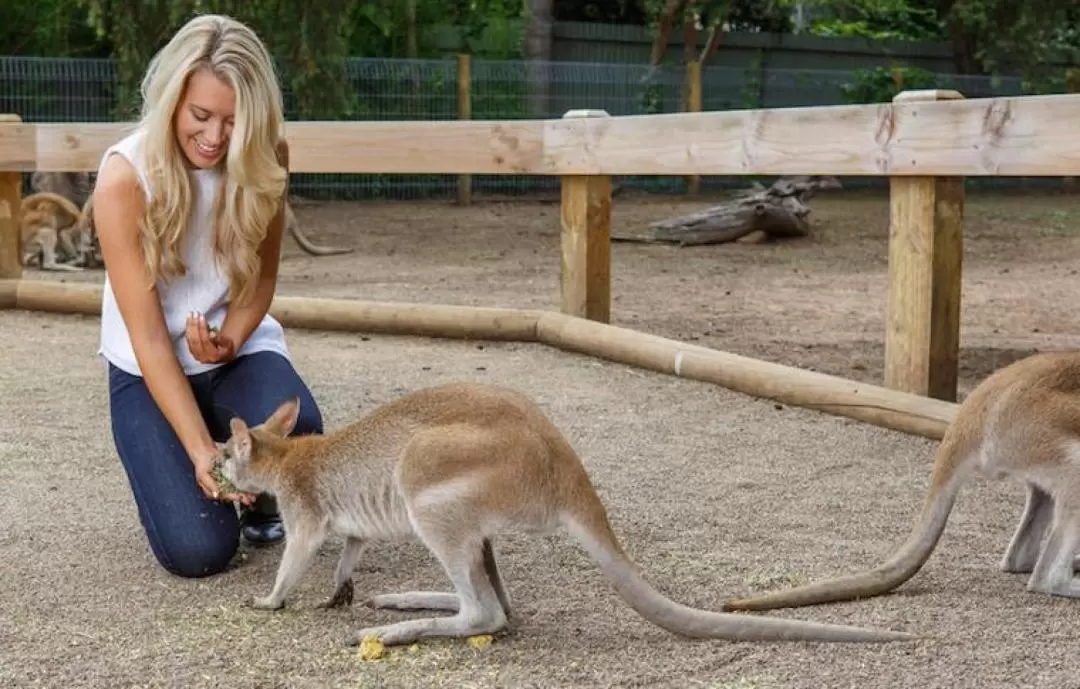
x,y
204,463
207,344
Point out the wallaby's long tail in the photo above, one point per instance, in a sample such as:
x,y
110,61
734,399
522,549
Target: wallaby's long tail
x,y
309,246
590,527
909,559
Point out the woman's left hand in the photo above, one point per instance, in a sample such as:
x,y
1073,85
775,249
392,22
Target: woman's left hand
x,y
207,344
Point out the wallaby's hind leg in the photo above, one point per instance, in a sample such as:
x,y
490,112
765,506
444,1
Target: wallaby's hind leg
x,y
1026,542
415,600
1053,571
439,600
49,258
492,570
343,583
479,611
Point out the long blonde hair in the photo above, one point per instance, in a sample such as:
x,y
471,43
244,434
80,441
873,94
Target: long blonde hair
x,y
253,180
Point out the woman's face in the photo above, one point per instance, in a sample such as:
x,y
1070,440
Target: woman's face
x,y
204,119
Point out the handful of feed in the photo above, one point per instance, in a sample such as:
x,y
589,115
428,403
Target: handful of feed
x,y
225,487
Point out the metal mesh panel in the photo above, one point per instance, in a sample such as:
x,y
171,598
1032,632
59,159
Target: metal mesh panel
x,y
84,90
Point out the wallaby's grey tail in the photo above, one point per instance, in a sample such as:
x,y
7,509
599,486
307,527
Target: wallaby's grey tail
x,y
590,527
903,565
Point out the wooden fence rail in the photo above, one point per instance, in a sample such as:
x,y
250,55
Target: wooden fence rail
x,y
927,142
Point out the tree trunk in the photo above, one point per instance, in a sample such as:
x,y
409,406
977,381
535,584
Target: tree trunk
x,y
538,55
673,9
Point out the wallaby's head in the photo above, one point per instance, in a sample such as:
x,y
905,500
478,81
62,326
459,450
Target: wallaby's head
x,y
250,449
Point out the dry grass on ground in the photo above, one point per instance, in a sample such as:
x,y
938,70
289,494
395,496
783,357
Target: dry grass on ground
x,y
714,493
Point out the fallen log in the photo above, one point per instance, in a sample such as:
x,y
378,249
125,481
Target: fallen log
x,y
777,212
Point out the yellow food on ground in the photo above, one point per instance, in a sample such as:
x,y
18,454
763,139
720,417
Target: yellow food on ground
x,y
371,648
480,640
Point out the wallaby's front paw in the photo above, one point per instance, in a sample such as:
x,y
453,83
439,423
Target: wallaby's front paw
x,y
265,603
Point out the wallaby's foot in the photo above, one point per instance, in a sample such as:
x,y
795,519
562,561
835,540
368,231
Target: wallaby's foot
x,y
1025,566
409,631
61,267
343,596
415,600
1053,571
1017,562
1068,589
266,603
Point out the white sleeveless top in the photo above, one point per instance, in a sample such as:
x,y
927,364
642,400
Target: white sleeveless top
x,y
204,288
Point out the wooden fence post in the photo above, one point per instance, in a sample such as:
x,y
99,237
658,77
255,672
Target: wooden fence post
x,y
11,267
586,241
693,104
464,108
922,338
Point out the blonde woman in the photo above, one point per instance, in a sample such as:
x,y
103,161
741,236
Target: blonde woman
x,y
189,212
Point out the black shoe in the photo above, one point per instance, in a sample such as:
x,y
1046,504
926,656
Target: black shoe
x,y
261,524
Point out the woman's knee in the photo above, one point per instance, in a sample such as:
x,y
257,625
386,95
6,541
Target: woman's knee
x,y
192,558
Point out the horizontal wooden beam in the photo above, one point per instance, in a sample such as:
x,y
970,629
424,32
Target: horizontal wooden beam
x,y
1030,135
430,147
901,411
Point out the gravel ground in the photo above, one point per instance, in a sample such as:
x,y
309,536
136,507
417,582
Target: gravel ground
x,y
713,493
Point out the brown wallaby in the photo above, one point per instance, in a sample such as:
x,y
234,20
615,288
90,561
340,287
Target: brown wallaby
x,y
55,233
452,465
1022,422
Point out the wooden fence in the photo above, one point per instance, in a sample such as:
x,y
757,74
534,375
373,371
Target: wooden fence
x,y
926,142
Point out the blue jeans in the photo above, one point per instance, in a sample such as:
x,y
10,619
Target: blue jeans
x,y
189,534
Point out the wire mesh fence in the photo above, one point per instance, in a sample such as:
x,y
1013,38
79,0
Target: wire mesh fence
x,y
84,90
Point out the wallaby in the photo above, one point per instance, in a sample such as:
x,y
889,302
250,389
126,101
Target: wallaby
x,y
1022,422
452,465
78,188
55,233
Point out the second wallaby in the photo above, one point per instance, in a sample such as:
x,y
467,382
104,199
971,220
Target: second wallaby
x,y
1022,423
452,465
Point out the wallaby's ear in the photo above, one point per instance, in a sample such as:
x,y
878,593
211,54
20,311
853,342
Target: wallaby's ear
x,y
241,437
283,420
237,426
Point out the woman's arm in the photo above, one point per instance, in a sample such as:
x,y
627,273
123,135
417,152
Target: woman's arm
x,y
242,319
118,202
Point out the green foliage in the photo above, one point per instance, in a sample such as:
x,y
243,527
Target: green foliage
x,y
881,84
135,29
904,20
1023,35
987,36
602,11
47,27
487,28
769,17
311,42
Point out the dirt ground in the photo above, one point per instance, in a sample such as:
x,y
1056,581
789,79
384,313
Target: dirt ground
x,y
714,493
